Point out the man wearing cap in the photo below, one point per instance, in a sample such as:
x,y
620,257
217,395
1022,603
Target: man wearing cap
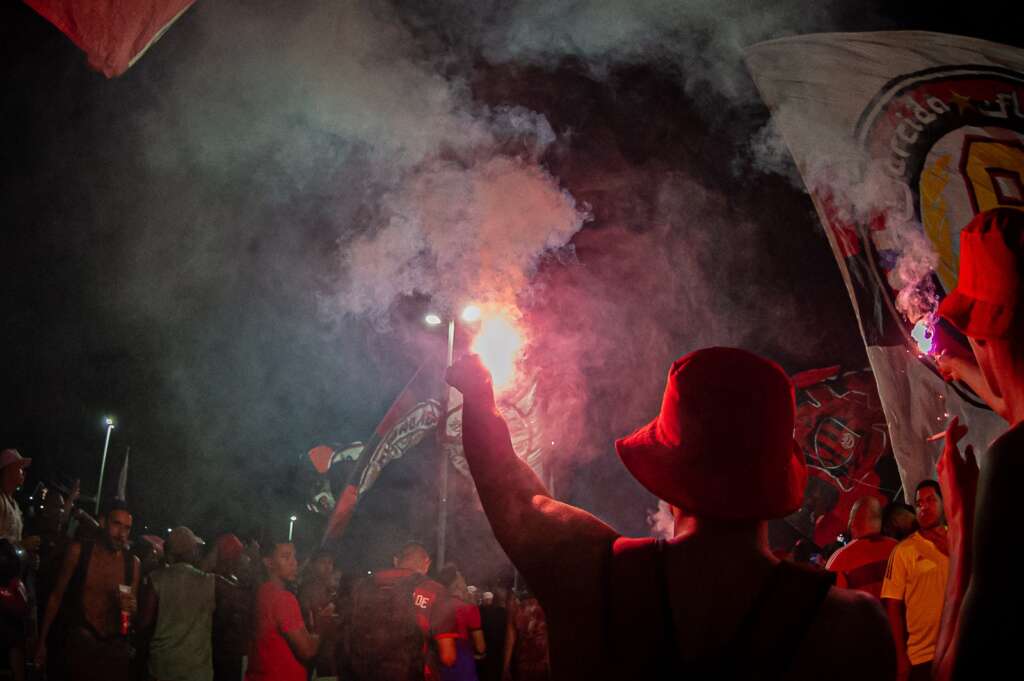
x,y
12,476
985,594
180,598
713,602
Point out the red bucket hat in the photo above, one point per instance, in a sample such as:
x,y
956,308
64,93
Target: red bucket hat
x,y
987,294
722,445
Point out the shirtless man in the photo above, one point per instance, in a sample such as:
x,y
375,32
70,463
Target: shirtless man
x,y
713,602
91,576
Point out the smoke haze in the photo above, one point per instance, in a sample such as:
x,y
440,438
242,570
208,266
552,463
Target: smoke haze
x,y
268,197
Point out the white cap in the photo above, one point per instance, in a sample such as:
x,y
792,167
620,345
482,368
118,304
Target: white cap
x,y
12,456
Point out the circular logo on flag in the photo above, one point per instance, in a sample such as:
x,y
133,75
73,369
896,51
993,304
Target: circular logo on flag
x,y
951,140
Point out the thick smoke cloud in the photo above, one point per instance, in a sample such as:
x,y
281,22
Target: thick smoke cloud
x,y
277,183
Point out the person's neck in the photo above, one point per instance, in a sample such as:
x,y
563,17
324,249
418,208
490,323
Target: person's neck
x,y
720,536
276,579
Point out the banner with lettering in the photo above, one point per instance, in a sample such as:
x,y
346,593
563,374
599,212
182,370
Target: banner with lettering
x,y
900,138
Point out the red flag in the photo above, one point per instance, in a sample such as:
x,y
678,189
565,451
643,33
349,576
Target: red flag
x,y
112,33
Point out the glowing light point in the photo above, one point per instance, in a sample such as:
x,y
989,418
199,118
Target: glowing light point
x,y
293,518
924,335
432,319
471,314
108,421
498,345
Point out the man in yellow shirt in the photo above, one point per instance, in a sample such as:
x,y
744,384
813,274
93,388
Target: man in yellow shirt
x,y
915,585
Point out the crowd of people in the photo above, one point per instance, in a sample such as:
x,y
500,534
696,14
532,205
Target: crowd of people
x,y
919,592
80,602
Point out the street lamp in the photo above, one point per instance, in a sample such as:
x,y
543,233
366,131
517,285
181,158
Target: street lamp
x,y
470,314
291,526
103,462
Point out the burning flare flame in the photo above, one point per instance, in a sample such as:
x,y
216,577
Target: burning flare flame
x,y
498,343
924,334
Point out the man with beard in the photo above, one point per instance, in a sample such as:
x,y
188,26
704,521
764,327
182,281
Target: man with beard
x,y
96,586
915,586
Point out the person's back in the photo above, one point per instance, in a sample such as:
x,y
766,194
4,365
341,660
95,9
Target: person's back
x,y
860,565
395,614
721,449
181,647
531,659
697,607
494,620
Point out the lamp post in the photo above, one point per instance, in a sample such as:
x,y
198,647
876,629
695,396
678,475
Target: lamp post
x,y
103,463
470,313
291,526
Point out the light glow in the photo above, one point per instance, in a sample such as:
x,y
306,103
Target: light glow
x,y
109,422
432,319
471,314
924,335
498,344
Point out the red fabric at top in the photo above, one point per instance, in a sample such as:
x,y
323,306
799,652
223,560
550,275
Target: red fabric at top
x,y
271,659
112,33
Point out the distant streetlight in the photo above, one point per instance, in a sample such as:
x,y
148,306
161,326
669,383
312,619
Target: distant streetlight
x,y
471,314
432,319
291,526
103,462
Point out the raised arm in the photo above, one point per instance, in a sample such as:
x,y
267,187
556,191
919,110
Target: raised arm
x,y
958,477
980,637
535,530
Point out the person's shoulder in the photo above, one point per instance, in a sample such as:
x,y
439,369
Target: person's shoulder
x,y
909,544
838,559
425,583
1011,437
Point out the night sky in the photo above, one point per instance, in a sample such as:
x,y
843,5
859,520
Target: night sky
x,y
174,241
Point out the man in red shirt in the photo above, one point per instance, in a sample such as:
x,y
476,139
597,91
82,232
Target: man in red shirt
x,y
860,565
713,602
281,643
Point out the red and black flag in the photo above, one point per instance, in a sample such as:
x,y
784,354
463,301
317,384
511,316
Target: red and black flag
x,y
413,415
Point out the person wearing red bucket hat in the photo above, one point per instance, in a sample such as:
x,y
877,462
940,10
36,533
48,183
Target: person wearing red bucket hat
x,y
712,601
987,306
